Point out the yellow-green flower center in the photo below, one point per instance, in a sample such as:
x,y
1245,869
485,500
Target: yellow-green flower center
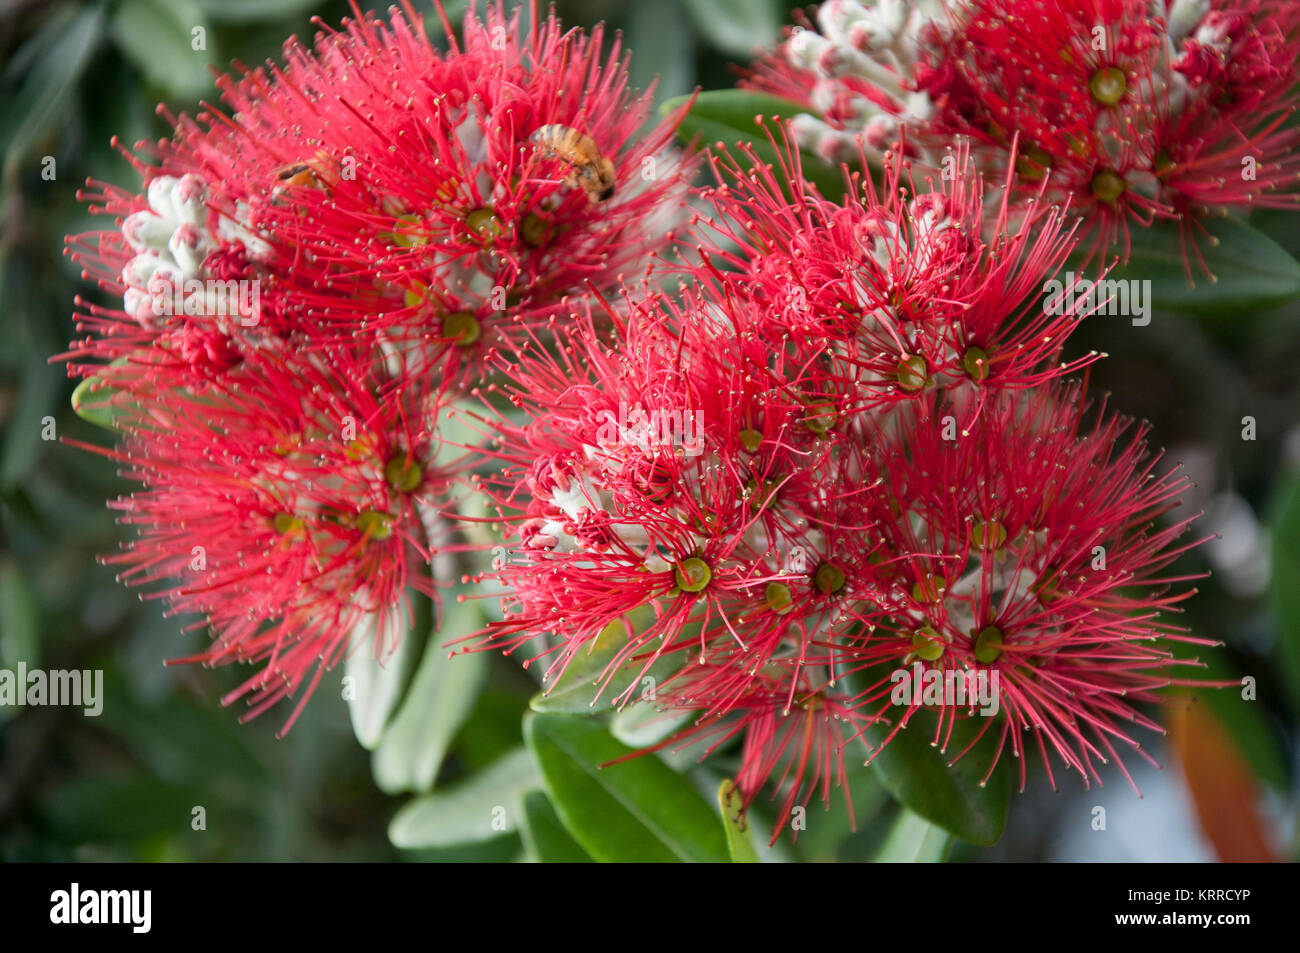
x,y
692,574
1108,186
1108,85
403,473
828,578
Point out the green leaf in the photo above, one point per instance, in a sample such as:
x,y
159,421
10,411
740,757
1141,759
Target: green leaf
x,y
1251,271
159,37
377,684
836,835
92,401
484,806
736,824
58,55
545,836
1285,584
575,691
740,27
913,840
494,727
919,776
640,810
641,724
441,697
728,116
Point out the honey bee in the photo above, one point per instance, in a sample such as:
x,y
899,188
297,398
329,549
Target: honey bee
x,y
588,169
320,172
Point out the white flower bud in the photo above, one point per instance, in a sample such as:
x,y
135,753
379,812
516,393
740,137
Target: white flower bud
x,y
139,306
137,272
836,17
823,95
808,130
166,291
189,198
880,131
160,196
146,231
188,247
804,48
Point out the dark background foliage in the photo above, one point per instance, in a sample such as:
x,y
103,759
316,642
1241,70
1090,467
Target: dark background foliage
x,y
123,785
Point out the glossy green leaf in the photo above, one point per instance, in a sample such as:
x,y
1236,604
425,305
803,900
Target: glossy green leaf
x,y
92,402
919,776
641,724
639,810
736,824
484,806
494,727
1251,271
544,834
582,689
739,27
914,840
169,41
441,696
376,684
728,116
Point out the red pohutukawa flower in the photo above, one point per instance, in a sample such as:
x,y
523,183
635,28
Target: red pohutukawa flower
x,y
308,280
734,493
448,196
1029,550
378,191
1131,111
289,509
899,289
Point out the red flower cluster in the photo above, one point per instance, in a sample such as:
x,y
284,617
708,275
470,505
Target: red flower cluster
x,y
1128,110
308,281
845,450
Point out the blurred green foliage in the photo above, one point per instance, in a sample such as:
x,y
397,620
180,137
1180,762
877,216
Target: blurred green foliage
x,y
125,785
